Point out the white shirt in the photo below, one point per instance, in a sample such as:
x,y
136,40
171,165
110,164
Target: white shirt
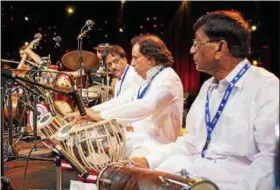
x,y
131,81
241,152
157,117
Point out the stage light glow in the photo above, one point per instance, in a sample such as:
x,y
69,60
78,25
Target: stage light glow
x,y
26,18
70,10
255,62
120,30
123,1
253,27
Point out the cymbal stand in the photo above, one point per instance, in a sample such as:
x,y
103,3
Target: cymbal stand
x,y
11,152
107,79
81,66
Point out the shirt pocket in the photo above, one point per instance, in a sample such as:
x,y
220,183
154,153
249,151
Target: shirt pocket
x,y
234,131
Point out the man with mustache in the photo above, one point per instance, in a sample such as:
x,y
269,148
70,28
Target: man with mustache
x,y
115,59
155,109
230,135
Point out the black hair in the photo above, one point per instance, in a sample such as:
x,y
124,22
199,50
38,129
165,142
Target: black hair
x,y
229,26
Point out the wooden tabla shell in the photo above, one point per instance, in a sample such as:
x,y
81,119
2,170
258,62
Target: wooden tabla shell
x,y
126,178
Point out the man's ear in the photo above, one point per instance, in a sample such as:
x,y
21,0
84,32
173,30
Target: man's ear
x,y
221,49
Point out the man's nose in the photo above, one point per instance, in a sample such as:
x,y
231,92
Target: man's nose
x,y
192,50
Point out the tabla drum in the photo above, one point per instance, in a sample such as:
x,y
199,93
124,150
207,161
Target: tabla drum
x,y
14,108
126,178
42,109
48,125
16,94
95,145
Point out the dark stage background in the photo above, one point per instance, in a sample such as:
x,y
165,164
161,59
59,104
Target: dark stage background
x,y
172,21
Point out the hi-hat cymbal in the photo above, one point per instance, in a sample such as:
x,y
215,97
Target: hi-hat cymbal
x,y
72,60
7,64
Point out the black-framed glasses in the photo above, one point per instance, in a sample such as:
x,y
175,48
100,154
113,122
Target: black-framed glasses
x,y
197,43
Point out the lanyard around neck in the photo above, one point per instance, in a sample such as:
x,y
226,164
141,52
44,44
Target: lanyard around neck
x,y
142,94
210,125
124,75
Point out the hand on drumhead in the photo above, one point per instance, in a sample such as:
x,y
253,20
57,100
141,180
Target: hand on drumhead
x,y
72,115
93,115
139,162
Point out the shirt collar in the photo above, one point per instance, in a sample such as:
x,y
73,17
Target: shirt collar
x,y
124,71
152,71
231,75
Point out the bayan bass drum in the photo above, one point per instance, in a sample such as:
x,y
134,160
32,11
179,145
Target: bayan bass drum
x,y
126,178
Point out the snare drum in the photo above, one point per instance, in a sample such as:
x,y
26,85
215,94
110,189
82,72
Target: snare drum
x,y
63,82
92,92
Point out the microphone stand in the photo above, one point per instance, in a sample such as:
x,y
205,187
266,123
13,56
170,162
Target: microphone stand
x,y
61,152
81,63
11,152
5,181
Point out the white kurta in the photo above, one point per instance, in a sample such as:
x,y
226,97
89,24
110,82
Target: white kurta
x,y
156,118
241,152
131,81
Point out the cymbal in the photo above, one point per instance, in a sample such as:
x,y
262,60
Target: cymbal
x,y
71,59
6,64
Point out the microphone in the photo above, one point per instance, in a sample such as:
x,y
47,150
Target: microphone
x,y
90,23
57,40
50,102
80,103
38,35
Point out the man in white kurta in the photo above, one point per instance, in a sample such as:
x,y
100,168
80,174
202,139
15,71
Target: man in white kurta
x,y
127,78
155,109
156,118
241,147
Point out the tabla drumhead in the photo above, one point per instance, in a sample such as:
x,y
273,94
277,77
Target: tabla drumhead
x,y
63,132
204,185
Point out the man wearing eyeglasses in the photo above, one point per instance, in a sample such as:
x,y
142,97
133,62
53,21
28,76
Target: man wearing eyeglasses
x,y
230,138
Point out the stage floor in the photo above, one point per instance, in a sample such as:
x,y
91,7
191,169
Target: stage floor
x,y
40,174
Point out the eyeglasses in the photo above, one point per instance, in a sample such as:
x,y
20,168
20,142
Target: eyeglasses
x,y
196,43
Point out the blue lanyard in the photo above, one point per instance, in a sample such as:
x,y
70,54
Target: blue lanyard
x,y
141,95
120,88
211,125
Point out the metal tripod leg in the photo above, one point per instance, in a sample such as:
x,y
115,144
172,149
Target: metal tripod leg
x,y
57,161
